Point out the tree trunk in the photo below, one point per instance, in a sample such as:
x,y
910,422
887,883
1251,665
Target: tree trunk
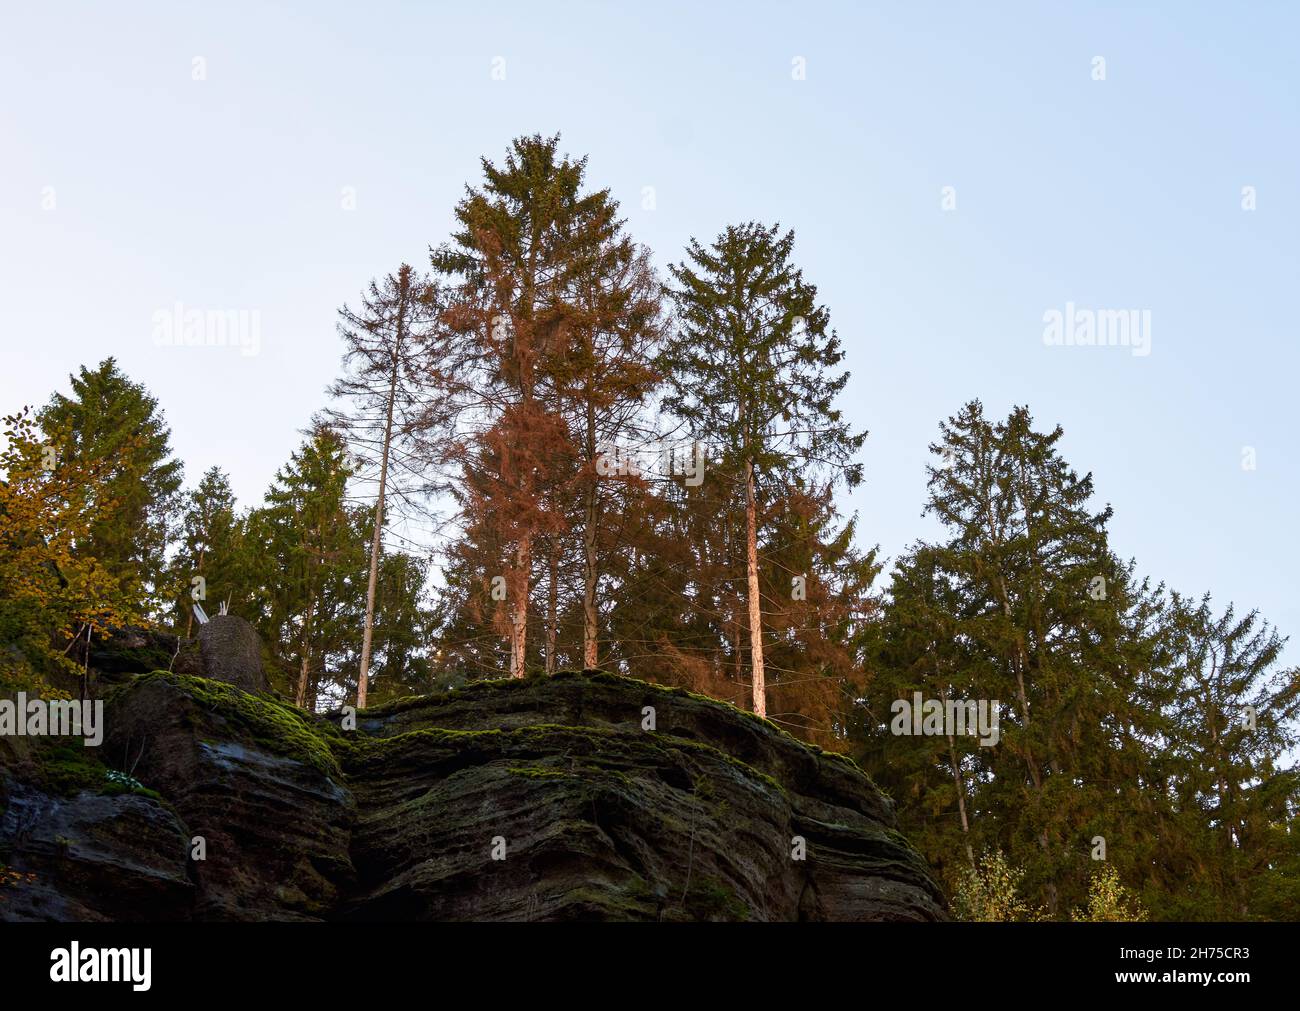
x,y
552,606
304,646
519,605
590,657
961,785
755,609
368,633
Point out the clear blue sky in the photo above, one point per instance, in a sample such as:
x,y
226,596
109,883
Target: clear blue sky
x,y
226,193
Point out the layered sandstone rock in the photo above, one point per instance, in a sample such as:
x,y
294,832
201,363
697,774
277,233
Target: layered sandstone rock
x,y
538,799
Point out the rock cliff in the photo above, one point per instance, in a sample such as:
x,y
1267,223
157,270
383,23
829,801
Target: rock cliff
x,y
538,799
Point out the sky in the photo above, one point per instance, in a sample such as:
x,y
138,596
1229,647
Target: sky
x,y
954,173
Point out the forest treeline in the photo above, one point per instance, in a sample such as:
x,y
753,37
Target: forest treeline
x,y
637,472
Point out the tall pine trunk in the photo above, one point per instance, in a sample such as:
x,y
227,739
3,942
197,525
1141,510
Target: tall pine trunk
x,y
755,609
519,604
552,605
590,657
304,646
368,633
957,779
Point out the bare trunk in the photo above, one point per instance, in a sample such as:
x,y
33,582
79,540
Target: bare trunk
x,y
590,657
552,607
961,786
519,605
368,634
755,610
961,798
304,647
590,654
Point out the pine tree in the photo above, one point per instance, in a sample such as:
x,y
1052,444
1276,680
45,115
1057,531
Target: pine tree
x,y
509,319
386,366
211,547
603,384
1226,759
109,418
819,586
310,545
1025,604
399,655
750,371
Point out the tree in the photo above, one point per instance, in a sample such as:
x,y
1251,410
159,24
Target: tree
x,y
310,545
1023,604
1109,901
509,319
988,891
1231,730
52,591
819,585
604,381
386,365
211,546
109,418
750,370
400,663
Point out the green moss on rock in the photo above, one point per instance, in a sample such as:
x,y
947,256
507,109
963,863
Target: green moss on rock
x,y
278,726
67,767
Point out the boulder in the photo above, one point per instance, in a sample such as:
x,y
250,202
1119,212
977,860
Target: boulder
x,y
227,649
231,651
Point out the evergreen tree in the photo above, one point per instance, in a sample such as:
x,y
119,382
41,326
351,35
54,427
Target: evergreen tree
x,y
111,419
750,371
509,320
1023,604
819,587
402,628
211,549
1226,761
312,557
602,385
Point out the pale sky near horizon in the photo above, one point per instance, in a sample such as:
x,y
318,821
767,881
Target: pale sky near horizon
x,y
128,186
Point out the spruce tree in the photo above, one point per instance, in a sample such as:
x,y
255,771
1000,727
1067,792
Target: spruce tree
x,y
1023,602
211,548
751,370
509,320
1227,761
310,547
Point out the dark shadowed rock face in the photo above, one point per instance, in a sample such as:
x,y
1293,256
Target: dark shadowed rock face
x,y
599,818
541,799
93,857
251,779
